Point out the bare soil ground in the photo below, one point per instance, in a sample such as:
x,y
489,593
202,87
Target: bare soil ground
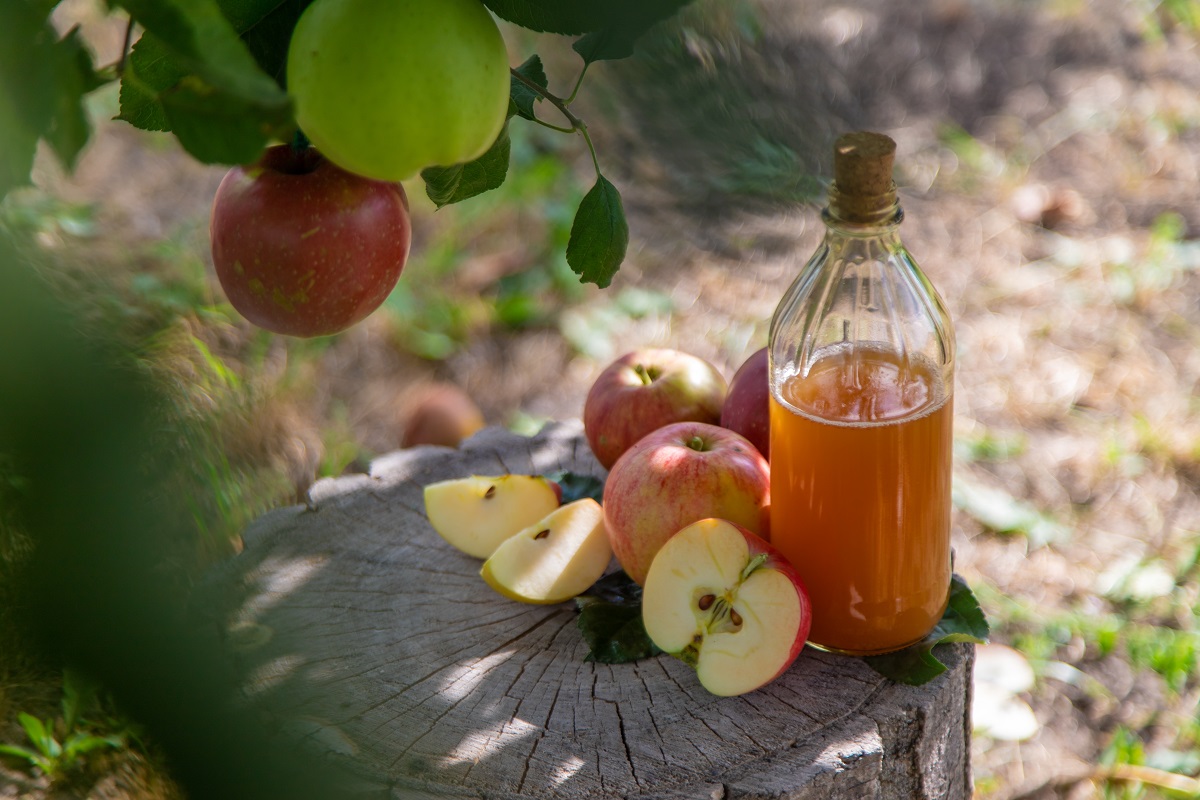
x,y
1048,160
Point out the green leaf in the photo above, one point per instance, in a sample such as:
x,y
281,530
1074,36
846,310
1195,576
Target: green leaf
x,y
42,83
610,619
599,235
214,127
963,621
268,31
617,39
576,487
82,743
521,97
446,185
19,752
190,73
204,42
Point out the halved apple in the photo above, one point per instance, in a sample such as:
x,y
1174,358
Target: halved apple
x,y
726,602
556,559
477,513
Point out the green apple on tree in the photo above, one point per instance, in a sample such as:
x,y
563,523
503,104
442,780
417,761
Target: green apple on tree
x,y
385,89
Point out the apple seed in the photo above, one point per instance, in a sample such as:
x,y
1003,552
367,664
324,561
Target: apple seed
x,y
490,493
706,601
542,534
735,617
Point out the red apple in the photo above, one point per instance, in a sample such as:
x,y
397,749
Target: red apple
x,y
747,407
303,247
675,476
645,390
729,604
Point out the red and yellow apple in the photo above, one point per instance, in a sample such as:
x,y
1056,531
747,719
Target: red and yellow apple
x,y
644,390
675,476
729,604
747,408
304,248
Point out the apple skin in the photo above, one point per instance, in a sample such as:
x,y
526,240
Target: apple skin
x,y
304,248
670,594
386,89
675,476
644,390
747,408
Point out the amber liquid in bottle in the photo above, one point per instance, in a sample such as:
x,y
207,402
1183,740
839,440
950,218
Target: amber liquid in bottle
x,y
860,455
862,371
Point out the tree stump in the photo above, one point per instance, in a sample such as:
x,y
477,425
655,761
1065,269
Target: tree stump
x,y
364,631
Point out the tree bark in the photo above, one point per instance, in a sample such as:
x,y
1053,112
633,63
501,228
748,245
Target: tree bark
x,y
361,630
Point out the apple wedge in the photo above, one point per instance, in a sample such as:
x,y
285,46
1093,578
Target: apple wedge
x,y
477,513
726,602
556,559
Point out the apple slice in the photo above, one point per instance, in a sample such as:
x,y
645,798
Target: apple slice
x,y
726,602
477,513
556,559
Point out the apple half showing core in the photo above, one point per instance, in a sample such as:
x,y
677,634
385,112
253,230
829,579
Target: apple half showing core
x,y
724,601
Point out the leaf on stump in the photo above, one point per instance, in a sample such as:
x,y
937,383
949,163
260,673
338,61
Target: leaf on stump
x,y
610,619
963,621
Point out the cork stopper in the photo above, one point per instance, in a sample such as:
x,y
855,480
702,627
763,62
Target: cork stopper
x,y
862,176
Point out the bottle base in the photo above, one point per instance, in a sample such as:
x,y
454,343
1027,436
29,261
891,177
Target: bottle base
x,y
842,651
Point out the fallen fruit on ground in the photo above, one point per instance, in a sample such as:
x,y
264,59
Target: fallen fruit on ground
x,y
304,248
557,558
478,513
386,89
747,408
723,600
675,476
644,390
440,414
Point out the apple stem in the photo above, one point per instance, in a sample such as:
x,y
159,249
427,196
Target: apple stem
x,y
753,566
299,142
698,444
576,123
644,374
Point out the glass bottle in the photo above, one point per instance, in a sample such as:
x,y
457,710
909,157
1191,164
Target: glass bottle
x,y
862,376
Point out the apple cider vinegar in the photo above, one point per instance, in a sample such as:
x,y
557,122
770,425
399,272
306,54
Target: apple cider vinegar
x,y
861,370
861,501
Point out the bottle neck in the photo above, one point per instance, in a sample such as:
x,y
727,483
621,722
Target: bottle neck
x,y
862,215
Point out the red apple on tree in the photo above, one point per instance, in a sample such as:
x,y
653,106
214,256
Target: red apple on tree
x,y
304,248
727,603
747,408
645,390
675,476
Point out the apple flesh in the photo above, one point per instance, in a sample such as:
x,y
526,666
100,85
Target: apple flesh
x,y
478,513
726,602
553,560
645,390
747,408
304,248
675,476
386,89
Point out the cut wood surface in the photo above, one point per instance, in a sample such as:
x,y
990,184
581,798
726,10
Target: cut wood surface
x,y
360,628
